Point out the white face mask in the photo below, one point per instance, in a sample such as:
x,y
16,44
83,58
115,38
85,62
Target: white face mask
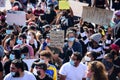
x,y
87,58
29,37
12,73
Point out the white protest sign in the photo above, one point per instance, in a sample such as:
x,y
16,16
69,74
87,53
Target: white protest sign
x,y
2,3
77,7
16,17
5,5
29,62
57,38
97,15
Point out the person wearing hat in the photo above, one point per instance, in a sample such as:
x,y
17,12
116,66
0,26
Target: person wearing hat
x,y
47,28
41,74
93,45
46,57
114,50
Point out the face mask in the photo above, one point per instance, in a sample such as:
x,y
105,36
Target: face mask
x,y
78,33
87,58
23,56
88,79
19,41
12,73
38,72
72,62
16,74
12,57
71,39
42,61
9,31
48,44
29,37
112,24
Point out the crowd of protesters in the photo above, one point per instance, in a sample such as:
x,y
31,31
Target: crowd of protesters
x,y
90,51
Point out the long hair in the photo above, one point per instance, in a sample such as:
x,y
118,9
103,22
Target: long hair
x,y
98,69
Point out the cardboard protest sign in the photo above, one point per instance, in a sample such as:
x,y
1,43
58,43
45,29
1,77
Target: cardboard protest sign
x,y
77,7
64,4
5,5
57,38
2,3
97,15
16,17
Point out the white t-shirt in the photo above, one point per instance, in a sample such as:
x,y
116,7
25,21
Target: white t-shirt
x,y
73,73
27,76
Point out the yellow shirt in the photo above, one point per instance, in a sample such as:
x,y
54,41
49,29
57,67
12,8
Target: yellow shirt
x,y
52,71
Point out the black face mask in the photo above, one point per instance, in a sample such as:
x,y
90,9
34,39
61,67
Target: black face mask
x,y
17,74
38,72
29,12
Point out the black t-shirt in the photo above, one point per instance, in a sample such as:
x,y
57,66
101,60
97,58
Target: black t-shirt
x,y
46,78
50,17
100,4
34,48
115,72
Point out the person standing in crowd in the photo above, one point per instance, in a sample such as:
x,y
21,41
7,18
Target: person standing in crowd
x,y
93,45
101,4
17,72
115,53
91,56
31,40
65,19
70,47
41,74
113,70
45,57
74,69
15,54
96,71
21,42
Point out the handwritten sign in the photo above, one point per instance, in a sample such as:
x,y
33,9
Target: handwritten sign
x,y
57,38
16,17
64,5
96,15
77,7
